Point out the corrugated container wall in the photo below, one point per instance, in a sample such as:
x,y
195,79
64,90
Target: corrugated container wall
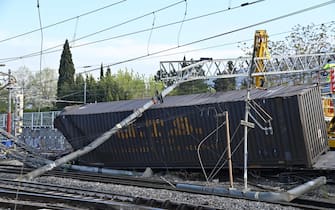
x,y
167,135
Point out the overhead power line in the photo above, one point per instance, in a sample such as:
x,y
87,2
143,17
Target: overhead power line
x,y
222,45
271,35
47,51
62,21
166,25
218,35
148,57
41,49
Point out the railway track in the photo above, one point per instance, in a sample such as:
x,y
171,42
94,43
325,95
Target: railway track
x,y
314,203
72,197
85,176
305,202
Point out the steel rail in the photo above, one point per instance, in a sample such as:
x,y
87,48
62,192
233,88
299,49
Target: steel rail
x,y
303,202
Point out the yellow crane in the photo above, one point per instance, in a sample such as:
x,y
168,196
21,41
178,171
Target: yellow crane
x,y
260,51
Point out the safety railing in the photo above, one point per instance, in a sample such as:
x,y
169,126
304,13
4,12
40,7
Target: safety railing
x,y
33,119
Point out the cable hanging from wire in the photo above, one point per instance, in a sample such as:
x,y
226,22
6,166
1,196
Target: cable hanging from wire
x,y
131,33
75,32
181,25
63,21
152,26
130,20
229,4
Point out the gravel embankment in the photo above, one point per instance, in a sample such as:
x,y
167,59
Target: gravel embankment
x,y
195,199
212,201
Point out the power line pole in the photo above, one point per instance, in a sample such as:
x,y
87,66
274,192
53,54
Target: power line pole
x,y
9,114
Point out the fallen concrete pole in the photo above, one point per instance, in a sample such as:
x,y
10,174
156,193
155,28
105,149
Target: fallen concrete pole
x,y
102,170
308,186
105,136
94,144
262,196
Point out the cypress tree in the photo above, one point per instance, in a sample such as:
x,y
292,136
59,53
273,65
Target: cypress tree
x,y
101,71
108,72
66,76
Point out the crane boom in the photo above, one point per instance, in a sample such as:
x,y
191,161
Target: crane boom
x,y
260,51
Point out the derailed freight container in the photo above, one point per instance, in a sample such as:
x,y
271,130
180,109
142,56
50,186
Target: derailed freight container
x,y
168,134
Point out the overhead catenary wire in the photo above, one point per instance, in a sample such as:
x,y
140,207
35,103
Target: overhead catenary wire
x,y
47,51
4,60
219,35
62,21
169,49
219,45
215,46
41,49
201,48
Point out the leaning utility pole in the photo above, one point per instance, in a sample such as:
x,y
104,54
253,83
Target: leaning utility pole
x,y
105,136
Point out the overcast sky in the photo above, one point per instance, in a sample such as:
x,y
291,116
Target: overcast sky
x,y
18,17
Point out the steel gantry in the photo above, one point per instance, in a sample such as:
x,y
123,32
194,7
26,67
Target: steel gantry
x,y
208,68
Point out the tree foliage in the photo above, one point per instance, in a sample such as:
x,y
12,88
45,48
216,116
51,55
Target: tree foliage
x,y
191,87
308,39
39,88
132,84
224,84
46,83
101,71
66,76
122,85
